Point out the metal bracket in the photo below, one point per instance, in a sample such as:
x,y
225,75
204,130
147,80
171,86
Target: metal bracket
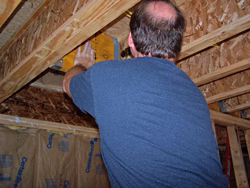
x,y
243,114
116,49
58,65
222,107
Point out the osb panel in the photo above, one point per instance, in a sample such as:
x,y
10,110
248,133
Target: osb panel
x,y
44,104
206,16
38,31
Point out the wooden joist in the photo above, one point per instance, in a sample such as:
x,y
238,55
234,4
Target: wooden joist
x,y
228,94
228,120
6,9
223,72
46,125
237,158
216,36
55,32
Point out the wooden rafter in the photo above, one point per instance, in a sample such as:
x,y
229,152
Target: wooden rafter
x,y
228,94
216,36
238,107
20,65
7,7
223,72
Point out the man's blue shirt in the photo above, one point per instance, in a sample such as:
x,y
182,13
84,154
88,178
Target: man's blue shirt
x,y
154,124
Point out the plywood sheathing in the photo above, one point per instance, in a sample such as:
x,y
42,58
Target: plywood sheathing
x,y
48,105
204,17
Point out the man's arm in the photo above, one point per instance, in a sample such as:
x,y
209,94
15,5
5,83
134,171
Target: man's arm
x,y
83,61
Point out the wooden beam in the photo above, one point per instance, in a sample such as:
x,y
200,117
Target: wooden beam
x,y
238,107
228,94
216,36
48,40
228,120
59,127
6,9
223,72
237,158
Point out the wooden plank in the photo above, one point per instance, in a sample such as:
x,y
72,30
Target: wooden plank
x,y
228,120
6,9
28,62
247,137
223,72
59,127
238,107
216,36
237,158
228,94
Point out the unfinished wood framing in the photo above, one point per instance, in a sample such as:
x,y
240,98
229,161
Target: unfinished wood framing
x,y
7,7
54,37
238,107
237,158
58,127
247,137
228,94
223,72
216,36
228,120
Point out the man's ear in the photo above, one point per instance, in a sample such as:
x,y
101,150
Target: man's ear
x,y
132,45
130,41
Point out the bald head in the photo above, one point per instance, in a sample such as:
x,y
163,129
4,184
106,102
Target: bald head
x,y
160,9
156,29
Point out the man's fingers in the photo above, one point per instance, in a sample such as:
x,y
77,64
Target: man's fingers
x,y
79,50
87,48
92,54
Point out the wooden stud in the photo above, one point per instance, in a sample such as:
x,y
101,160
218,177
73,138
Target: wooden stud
x,y
247,137
237,158
58,127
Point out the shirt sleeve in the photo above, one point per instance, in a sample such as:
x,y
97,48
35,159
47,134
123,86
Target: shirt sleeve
x,y
82,93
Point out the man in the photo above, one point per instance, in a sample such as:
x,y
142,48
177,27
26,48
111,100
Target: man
x,y
154,122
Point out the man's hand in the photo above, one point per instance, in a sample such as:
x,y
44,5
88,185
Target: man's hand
x,y
83,61
86,57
